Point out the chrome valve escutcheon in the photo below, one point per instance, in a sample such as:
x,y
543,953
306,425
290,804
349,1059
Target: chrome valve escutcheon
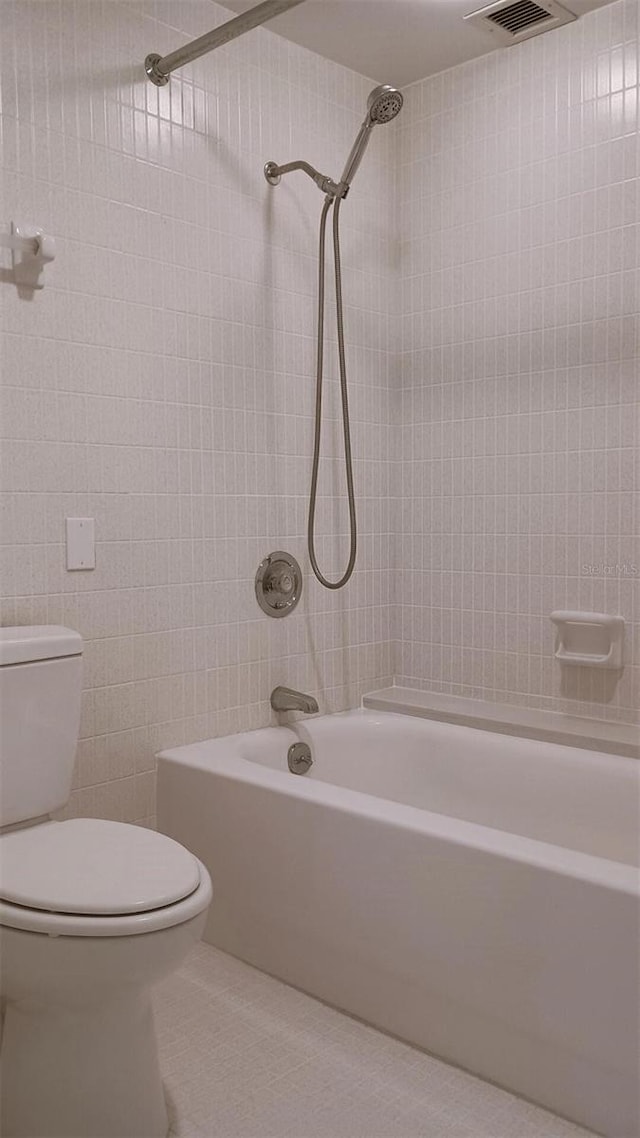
x,y
278,584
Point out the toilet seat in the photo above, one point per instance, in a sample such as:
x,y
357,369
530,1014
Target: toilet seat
x,y
94,867
88,877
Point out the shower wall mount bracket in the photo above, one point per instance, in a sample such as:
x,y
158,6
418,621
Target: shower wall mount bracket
x,y
278,583
271,173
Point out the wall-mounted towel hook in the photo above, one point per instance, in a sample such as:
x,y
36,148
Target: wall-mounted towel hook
x,y
31,250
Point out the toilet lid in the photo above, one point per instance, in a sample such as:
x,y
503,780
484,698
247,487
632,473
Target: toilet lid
x,y
93,867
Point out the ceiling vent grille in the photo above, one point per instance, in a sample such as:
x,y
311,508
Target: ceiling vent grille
x,y
511,21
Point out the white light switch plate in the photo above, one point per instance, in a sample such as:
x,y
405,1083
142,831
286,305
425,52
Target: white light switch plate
x,y
81,543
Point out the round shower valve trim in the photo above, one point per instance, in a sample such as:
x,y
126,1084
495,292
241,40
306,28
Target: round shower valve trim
x,y
278,584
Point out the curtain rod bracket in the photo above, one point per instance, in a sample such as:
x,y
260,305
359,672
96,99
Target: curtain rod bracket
x,y
159,67
153,71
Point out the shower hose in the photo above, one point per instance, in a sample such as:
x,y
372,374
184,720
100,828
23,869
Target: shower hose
x,y
335,202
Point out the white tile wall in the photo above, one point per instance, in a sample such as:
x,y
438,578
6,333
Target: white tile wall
x,y
520,369
162,382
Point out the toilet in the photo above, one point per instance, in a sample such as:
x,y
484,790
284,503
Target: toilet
x,y
92,914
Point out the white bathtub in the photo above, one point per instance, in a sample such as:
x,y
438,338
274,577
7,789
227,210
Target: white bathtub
x,y
473,893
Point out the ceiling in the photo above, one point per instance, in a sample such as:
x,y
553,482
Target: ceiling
x,y
391,41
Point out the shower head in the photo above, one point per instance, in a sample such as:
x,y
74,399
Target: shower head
x,y
383,104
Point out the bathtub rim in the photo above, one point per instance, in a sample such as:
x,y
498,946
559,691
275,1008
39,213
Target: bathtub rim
x,y
222,756
609,737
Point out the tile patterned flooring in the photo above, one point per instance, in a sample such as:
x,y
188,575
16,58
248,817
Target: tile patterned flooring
x,y
246,1056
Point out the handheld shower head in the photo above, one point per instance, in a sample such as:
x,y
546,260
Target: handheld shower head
x,y
383,104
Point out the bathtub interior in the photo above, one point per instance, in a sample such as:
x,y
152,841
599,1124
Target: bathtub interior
x,y
582,800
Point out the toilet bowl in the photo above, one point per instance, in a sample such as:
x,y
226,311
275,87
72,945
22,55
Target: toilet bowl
x,y
82,946
92,914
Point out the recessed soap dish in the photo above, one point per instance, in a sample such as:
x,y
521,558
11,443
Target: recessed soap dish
x,y
590,639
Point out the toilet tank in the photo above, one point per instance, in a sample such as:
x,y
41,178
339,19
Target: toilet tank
x,y
40,689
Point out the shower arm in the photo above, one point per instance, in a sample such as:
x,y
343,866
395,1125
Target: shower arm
x,y
273,173
334,190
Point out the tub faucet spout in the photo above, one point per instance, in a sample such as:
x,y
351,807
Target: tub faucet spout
x,y
286,699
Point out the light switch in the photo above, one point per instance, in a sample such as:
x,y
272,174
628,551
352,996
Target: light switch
x,y
81,543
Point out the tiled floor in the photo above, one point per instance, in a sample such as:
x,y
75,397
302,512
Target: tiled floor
x,y
245,1056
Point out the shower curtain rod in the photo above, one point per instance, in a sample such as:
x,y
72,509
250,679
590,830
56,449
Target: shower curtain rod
x,y
159,68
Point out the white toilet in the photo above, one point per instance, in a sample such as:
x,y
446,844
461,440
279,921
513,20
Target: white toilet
x,y
92,913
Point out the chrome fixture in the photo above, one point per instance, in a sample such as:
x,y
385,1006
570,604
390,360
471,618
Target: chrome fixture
x,y
299,758
383,104
273,174
286,699
278,583
159,68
